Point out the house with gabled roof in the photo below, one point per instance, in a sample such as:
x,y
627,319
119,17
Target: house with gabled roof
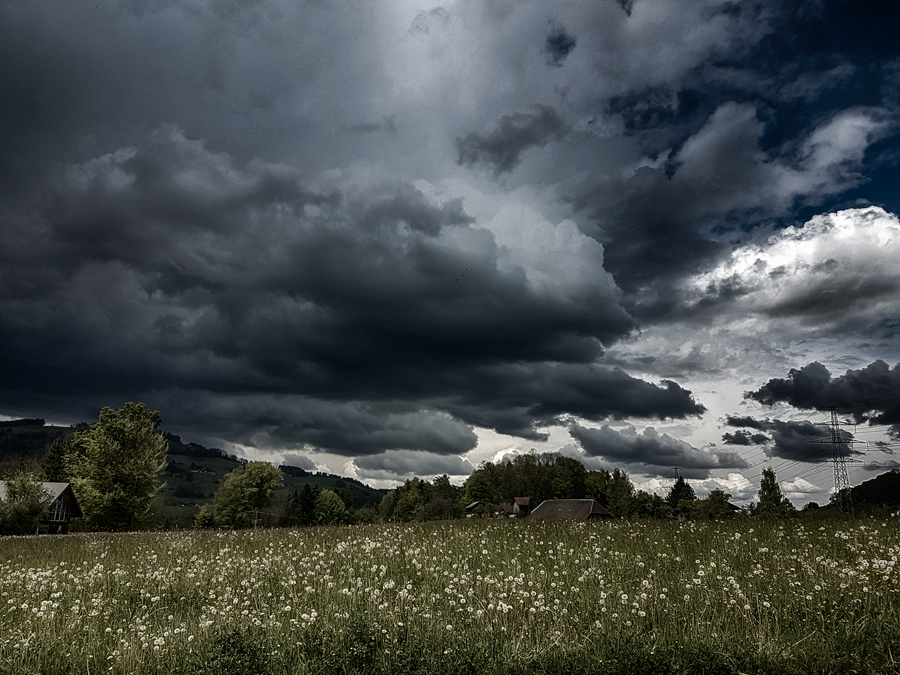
x,y
569,509
62,510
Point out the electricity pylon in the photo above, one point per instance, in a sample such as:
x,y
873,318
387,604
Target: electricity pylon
x,y
839,459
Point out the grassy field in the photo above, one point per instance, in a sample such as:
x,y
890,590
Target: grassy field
x,y
458,597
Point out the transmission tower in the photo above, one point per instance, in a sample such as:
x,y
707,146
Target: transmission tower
x,y
839,459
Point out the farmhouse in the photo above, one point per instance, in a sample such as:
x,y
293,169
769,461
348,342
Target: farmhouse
x,y
63,508
569,509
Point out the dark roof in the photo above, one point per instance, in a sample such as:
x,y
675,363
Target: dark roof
x,y
506,507
569,509
522,501
56,491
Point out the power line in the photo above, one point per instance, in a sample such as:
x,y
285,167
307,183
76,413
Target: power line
x,y
841,478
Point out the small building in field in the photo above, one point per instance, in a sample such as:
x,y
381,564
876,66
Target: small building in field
x,y
63,508
569,509
507,509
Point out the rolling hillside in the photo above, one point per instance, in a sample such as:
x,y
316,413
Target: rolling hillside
x,y
193,474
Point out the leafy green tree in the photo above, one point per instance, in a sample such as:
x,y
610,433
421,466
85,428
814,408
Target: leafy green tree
x,y
772,504
245,492
716,506
387,506
442,487
414,494
205,518
115,465
646,505
330,509
25,504
481,486
620,494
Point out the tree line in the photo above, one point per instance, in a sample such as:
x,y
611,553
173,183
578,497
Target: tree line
x,y
115,468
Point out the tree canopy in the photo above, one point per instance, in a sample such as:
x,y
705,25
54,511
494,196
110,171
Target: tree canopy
x,y
25,504
114,466
243,494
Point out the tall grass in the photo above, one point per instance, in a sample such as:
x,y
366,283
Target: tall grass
x,y
457,597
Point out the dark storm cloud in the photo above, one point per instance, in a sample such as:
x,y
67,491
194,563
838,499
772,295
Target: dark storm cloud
x,y
370,307
515,399
870,394
786,439
744,438
558,46
655,453
501,148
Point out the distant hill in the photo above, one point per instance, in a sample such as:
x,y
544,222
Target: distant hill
x,y
27,438
192,476
883,490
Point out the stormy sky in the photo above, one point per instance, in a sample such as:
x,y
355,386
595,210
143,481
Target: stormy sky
x,y
386,239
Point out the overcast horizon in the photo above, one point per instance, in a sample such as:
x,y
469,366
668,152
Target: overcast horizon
x,y
394,239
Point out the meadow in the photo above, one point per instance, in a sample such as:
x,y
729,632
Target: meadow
x,y
488,597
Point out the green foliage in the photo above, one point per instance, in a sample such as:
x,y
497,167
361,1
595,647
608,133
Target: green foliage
x,y
646,505
245,492
418,500
330,509
53,463
114,467
772,504
205,518
716,506
481,486
299,508
25,505
619,493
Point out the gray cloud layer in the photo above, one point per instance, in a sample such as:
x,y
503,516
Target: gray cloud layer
x,y
278,222
652,452
171,266
501,148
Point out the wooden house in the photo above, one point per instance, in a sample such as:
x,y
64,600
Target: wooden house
x,y
63,508
569,509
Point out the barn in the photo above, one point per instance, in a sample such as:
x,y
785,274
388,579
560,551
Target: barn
x,y
569,509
